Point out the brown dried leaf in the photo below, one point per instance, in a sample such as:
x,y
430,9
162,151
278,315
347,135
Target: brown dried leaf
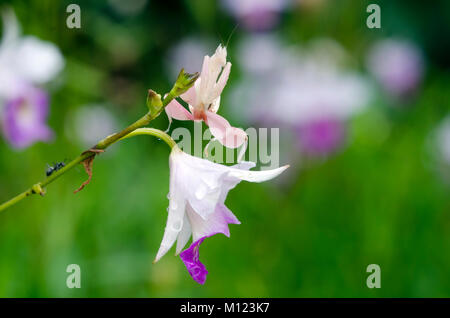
x,y
87,164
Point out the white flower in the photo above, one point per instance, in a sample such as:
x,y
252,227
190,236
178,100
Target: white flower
x,y
25,64
25,59
198,189
37,61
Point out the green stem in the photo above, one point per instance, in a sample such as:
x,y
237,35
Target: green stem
x,y
103,144
152,132
16,199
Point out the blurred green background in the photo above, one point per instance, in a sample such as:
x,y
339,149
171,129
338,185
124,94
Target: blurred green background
x,y
379,200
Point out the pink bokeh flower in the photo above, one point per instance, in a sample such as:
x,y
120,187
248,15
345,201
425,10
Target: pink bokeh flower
x,y
204,100
256,15
307,89
397,65
321,137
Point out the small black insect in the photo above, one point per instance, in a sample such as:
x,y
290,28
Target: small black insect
x,y
55,167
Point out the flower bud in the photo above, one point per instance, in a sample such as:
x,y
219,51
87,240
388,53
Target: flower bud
x,y
183,83
154,103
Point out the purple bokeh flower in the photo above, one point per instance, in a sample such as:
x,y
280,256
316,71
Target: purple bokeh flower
x,y
306,89
198,190
24,118
321,137
256,14
397,65
25,64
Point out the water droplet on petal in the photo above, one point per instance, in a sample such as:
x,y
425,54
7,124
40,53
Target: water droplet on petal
x,y
173,205
176,225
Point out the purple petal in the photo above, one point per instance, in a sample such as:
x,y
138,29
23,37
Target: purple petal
x,y
201,229
190,258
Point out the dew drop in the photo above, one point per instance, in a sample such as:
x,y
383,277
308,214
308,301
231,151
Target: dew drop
x,y
173,205
176,225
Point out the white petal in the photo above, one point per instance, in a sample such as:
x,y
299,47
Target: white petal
x,y
177,205
257,176
205,203
202,181
244,165
205,184
230,182
173,228
38,61
215,223
184,235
